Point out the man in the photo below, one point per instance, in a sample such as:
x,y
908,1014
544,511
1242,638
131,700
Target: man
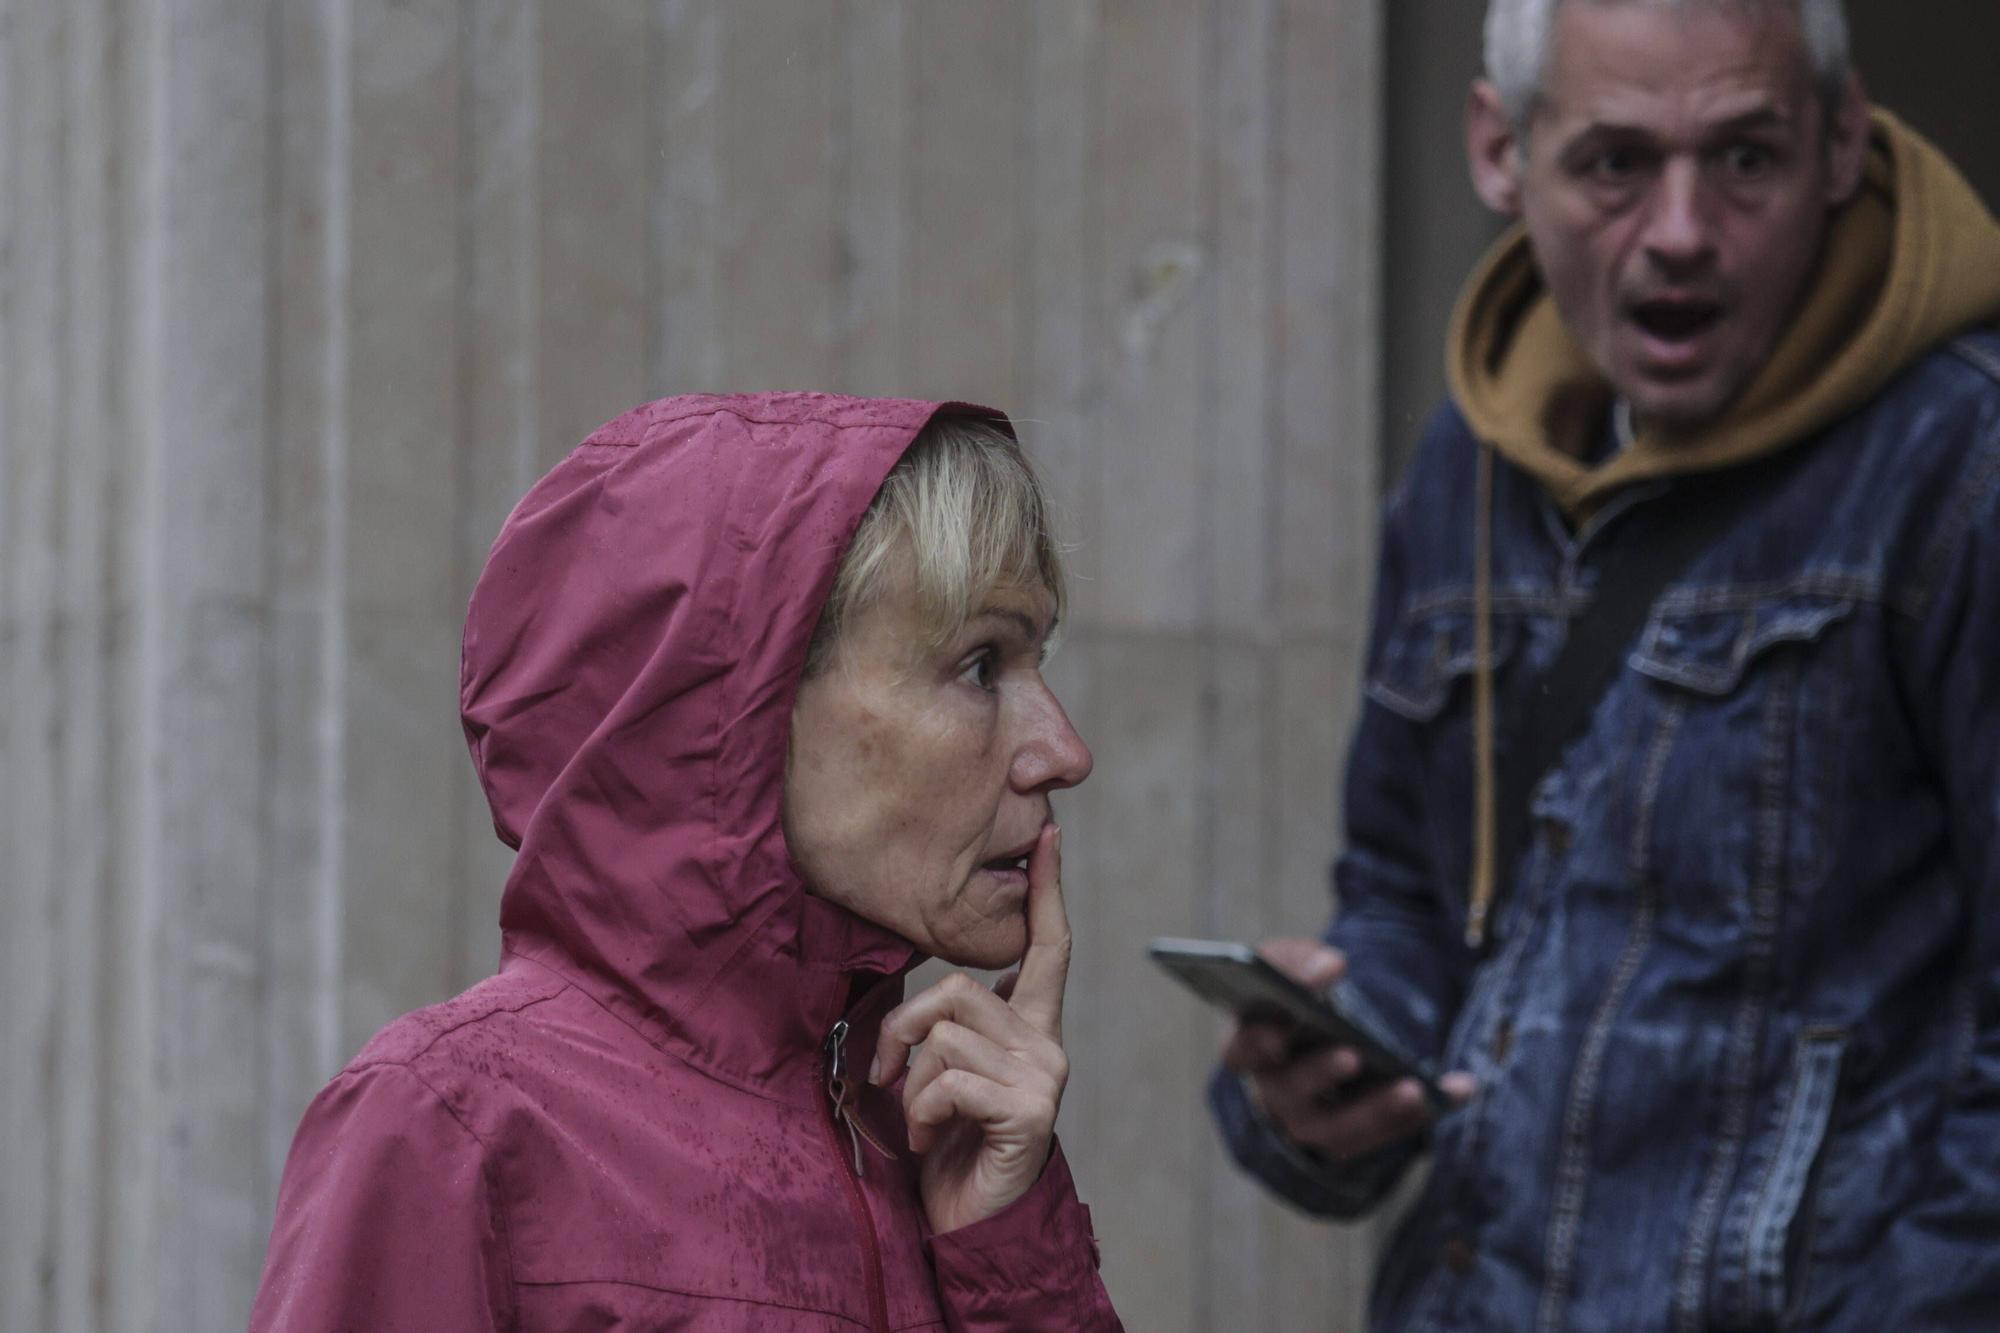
x,y
1722,1002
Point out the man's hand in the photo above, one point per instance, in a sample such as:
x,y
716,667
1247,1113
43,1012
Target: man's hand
x,y
987,1079
1306,1095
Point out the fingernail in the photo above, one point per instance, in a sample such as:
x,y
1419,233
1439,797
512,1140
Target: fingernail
x,y
875,1070
1055,845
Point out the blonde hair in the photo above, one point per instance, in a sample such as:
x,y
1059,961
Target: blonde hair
x,y
961,513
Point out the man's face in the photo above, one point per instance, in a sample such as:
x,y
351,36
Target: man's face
x,y
1676,179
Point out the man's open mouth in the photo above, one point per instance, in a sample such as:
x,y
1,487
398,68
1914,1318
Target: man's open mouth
x,y
1676,321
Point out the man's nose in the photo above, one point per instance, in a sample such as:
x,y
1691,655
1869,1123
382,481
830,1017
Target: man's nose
x,y
1052,756
1679,234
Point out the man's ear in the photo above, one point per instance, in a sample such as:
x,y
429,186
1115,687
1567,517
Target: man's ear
x,y
1847,142
1492,150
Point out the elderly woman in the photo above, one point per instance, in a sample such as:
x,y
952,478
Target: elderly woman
x,y
754,686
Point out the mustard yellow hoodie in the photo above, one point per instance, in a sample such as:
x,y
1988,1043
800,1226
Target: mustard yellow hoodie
x,y
1912,260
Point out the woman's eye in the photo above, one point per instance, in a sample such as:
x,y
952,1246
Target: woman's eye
x,y
981,669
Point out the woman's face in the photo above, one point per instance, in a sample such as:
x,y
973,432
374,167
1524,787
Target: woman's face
x,y
917,778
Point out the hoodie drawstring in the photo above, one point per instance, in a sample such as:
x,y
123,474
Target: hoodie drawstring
x,y
1485,830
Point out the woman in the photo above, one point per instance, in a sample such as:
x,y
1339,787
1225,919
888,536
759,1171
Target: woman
x,y
753,686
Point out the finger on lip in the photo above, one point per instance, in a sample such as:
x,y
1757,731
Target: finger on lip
x,y
1038,993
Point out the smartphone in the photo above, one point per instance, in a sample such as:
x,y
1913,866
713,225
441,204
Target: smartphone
x,y
1235,978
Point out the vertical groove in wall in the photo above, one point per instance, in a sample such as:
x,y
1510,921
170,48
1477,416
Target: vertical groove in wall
x,y
112,699
870,144
686,207
500,412
263,903
85,431
140,1168
330,712
27,577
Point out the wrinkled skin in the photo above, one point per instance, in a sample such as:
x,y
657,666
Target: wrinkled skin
x,y
917,796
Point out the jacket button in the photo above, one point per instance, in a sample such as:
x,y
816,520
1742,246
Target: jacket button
x,y
1556,835
1457,1255
1503,1039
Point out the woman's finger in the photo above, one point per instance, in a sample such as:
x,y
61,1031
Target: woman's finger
x,y
951,1046
995,1107
1038,993
957,999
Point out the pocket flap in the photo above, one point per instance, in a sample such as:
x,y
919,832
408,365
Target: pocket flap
x,y
1706,649
1427,655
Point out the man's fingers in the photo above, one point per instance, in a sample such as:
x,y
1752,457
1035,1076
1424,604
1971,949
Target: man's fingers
x,y
1311,963
1038,992
1252,1048
1371,1120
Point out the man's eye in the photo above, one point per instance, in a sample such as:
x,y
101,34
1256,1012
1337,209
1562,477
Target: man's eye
x,y
1613,166
1749,161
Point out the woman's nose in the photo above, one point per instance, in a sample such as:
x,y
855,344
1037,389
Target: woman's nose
x,y
1051,756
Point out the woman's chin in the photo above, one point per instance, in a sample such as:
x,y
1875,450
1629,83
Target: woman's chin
x,y
986,951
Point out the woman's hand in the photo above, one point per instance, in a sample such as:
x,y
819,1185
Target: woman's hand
x,y
988,1074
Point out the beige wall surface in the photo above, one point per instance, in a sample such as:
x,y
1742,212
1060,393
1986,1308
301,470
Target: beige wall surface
x,y
297,297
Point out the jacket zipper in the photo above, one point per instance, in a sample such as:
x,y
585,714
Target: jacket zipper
x,y
836,1075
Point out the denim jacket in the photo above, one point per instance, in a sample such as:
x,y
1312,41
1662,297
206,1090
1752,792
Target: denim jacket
x,y
1737,1035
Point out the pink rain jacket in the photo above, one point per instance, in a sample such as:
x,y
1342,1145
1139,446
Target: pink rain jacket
x,y
629,1127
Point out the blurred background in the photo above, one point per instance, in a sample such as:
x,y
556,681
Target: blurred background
x,y
296,298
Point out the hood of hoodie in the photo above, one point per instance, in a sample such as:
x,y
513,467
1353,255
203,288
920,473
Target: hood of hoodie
x,y
1913,259
631,655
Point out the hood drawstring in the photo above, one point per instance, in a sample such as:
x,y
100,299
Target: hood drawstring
x,y
1485,812
846,1097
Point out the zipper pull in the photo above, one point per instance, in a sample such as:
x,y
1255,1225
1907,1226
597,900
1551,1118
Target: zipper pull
x,y
836,1059
843,1094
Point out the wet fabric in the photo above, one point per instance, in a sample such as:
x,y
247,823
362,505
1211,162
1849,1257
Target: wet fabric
x,y
630,1127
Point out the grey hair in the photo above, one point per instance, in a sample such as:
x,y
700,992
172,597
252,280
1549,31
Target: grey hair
x,y
961,513
1519,34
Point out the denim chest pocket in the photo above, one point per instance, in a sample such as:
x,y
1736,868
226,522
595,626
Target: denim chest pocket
x,y
1427,656
1710,650
1760,679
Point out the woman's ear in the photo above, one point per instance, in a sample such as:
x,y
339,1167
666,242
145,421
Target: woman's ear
x,y
1492,150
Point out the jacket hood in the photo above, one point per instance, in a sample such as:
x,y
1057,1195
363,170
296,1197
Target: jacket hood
x,y
1913,259
631,655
